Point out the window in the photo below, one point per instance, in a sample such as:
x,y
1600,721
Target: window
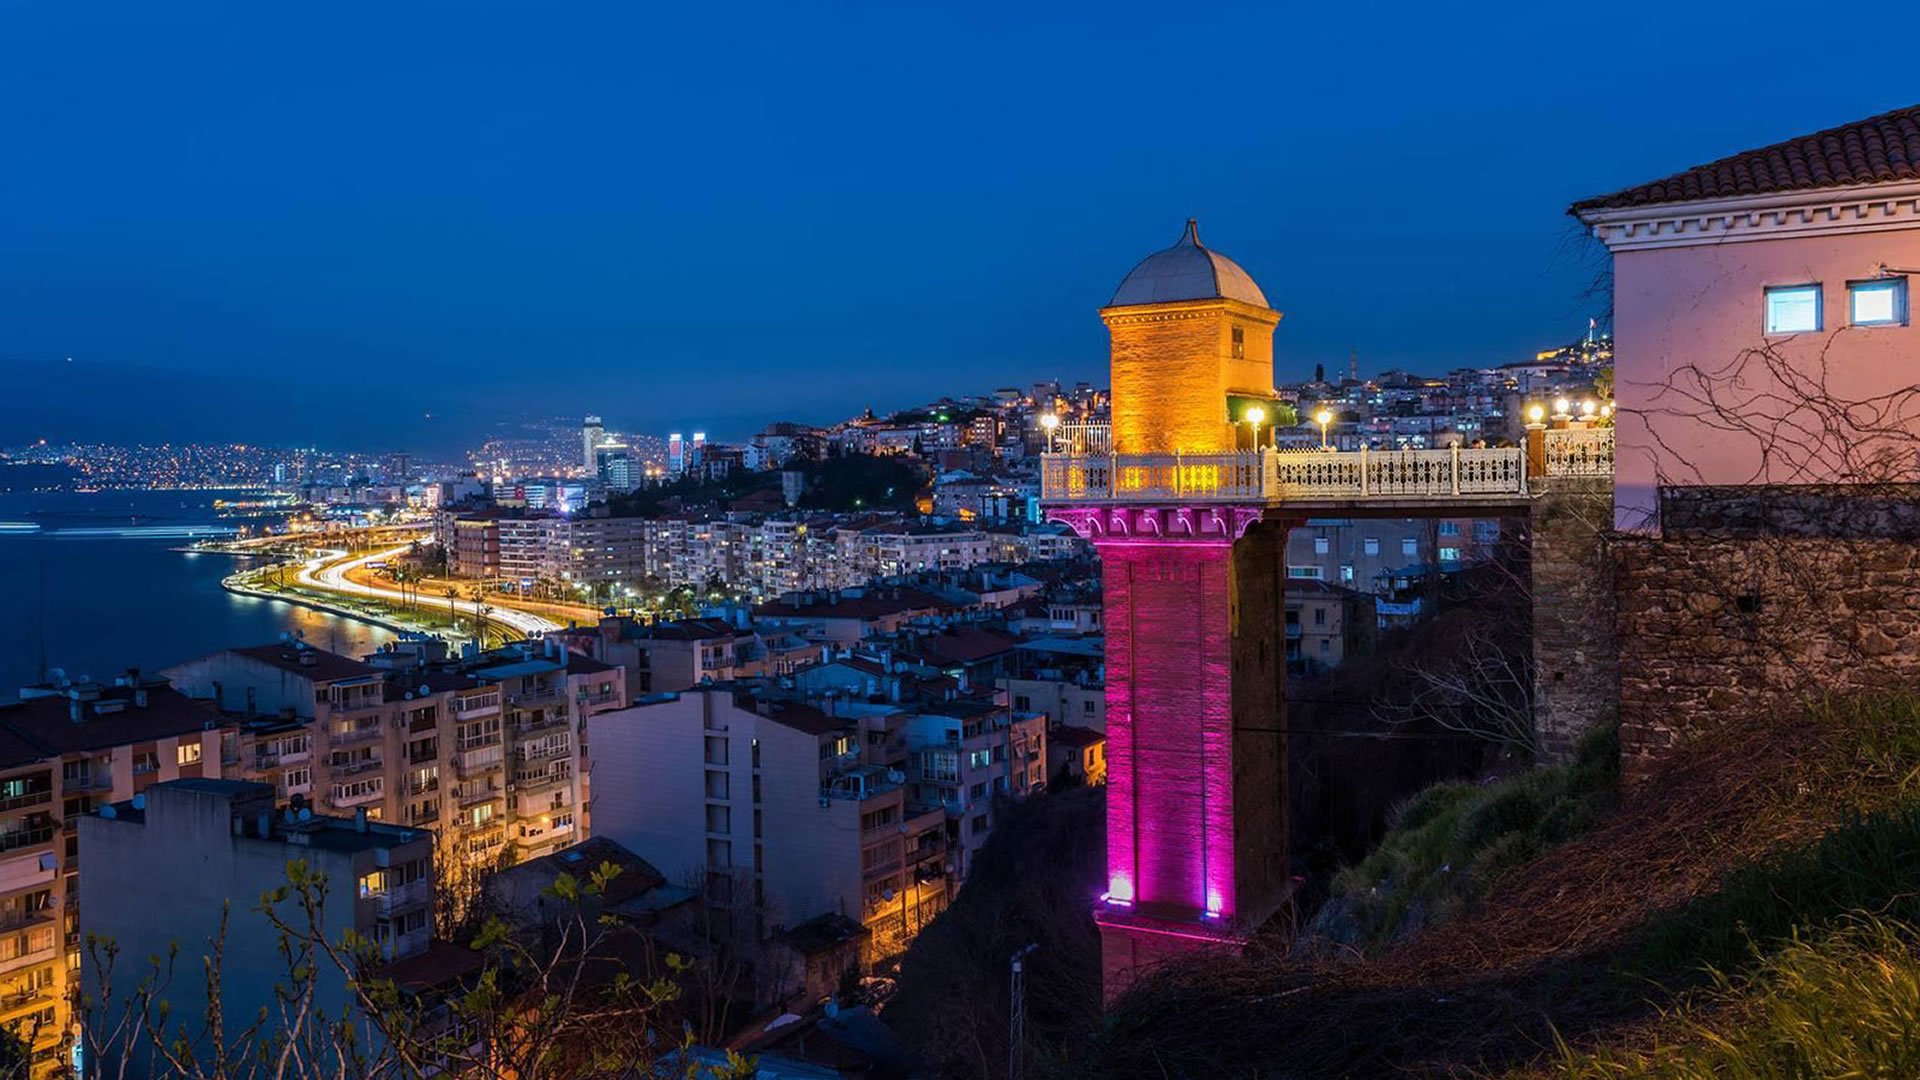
x,y
1319,616
187,753
1322,545
1449,528
1880,302
1346,571
716,750
146,761
719,820
1793,309
1449,554
717,784
1086,706
719,855
1239,343
1409,547
1372,545
978,827
1310,573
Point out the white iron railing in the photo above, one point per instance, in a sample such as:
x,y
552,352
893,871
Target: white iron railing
x,y
1580,452
1083,438
1274,475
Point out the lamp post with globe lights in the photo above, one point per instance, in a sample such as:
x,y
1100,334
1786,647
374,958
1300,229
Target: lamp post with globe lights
x,y
1049,422
1255,416
1323,418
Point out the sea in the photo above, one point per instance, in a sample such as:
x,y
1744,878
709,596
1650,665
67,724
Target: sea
x,y
93,583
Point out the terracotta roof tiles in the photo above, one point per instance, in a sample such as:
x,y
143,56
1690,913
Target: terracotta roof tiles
x,y
1879,149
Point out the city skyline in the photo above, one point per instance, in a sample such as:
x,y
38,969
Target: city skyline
x,y
417,232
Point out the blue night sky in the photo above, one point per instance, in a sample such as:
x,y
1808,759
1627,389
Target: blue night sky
x,y
321,222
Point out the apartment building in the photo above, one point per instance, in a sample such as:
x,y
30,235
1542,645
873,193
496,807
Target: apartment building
x,y
1326,623
1368,554
1062,678
472,543
964,754
847,615
65,748
201,850
663,657
773,808
486,750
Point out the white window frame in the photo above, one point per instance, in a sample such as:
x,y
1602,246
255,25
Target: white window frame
x,y
1895,285
1819,308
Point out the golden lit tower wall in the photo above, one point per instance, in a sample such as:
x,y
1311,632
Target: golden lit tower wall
x,y
1189,330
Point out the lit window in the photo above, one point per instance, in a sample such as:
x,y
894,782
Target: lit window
x,y
188,753
1882,302
1409,546
1449,554
1239,343
1321,545
1793,309
1372,545
1310,573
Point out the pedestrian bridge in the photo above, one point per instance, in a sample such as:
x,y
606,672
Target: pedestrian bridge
x,y
1348,481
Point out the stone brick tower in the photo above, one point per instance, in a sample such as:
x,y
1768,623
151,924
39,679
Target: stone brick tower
x,y
1194,613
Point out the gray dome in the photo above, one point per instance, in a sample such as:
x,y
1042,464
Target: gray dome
x,y
1187,271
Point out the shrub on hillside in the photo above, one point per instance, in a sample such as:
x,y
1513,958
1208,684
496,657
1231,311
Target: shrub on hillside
x,y
1450,842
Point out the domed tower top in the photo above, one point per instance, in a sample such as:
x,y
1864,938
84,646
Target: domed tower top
x,y
1192,354
1187,271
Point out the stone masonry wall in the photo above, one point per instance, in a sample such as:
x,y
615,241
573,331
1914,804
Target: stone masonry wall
x,y
1711,628
1575,651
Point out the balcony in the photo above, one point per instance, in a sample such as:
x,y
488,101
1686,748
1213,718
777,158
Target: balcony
x,y
538,695
412,943
542,753
26,838
423,787
355,768
548,721
273,759
528,783
31,798
344,798
479,759
419,818
356,735
90,780
400,897
475,796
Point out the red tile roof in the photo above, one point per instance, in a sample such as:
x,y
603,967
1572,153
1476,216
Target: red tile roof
x,y
1879,149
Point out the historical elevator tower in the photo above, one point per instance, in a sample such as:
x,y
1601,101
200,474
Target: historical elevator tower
x,y
1193,577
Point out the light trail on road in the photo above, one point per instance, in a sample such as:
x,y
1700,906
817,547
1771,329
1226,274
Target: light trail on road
x,y
332,577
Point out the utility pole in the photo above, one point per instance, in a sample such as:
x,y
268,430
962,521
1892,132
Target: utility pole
x,y
1017,1012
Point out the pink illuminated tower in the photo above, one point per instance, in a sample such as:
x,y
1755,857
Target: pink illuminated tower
x,y
1193,571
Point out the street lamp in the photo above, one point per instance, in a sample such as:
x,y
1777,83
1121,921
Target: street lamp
x,y
1562,409
1323,417
1536,414
1254,416
1049,421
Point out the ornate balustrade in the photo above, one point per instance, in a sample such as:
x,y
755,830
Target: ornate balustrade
x,y
1280,475
1582,452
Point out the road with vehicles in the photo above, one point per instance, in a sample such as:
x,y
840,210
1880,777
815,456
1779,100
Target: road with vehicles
x,y
329,573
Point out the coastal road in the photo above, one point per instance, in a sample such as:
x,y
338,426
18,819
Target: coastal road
x,y
331,576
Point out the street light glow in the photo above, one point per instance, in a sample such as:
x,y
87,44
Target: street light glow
x,y
1536,413
1324,417
1255,415
1049,421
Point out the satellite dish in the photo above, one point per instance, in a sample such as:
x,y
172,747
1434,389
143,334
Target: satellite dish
x,y
306,814
424,691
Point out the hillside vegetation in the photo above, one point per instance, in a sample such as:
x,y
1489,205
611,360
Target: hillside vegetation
x,y
1745,912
